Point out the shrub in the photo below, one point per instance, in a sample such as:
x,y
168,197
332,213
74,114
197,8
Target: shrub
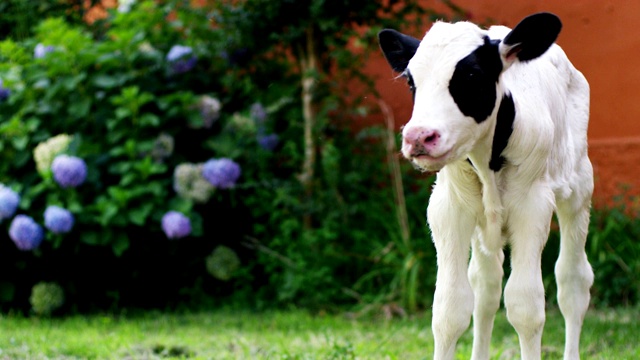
x,y
96,127
614,253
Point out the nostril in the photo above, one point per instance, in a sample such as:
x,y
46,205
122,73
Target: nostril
x,y
420,140
431,137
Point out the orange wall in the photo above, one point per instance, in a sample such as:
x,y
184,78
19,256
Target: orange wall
x,y
601,39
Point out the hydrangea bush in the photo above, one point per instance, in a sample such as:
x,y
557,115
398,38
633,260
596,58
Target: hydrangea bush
x,y
106,139
156,160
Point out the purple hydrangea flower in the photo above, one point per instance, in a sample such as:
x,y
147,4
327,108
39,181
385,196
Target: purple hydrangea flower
x,y
175,225
4,92
9,201
184,65
178,51
221,173
58,220
268,142
25,233
181,59
69,171
41,51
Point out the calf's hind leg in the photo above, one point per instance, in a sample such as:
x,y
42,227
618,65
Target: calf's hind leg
x,y
528,223
574,275
485,275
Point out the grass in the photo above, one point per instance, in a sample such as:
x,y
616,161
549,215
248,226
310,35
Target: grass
x,y
608,334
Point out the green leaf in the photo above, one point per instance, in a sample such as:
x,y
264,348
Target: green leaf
x,y
20,142
120,244
71,83
181,205
120,168
90,238
139,215
155,188
109,81
119,194
122,113
80,108
144,98
149,120
109,210
128,179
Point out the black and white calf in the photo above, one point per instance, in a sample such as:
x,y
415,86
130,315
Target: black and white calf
x,y
502,116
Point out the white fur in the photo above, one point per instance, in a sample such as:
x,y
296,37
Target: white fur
x,y
473,207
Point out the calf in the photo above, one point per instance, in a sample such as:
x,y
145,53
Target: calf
x,y
502,116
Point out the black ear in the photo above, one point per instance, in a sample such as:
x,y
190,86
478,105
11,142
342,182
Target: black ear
x,y
531,38
397,48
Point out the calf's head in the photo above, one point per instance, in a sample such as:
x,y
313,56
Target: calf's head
x,y
454,76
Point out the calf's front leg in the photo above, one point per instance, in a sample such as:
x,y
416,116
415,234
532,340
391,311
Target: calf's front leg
x,y
452,226
485,275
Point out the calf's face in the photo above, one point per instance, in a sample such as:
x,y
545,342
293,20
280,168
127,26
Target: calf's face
x,y
454,75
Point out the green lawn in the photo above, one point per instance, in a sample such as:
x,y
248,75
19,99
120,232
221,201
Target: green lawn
x,y
608,334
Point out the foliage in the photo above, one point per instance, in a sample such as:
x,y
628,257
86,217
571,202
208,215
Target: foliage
x,y
166,152
157,138
17,15
614,253
338,238
95,125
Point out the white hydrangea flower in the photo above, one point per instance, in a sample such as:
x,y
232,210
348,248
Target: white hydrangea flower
x,y
124,6
209,109
189,183
46,151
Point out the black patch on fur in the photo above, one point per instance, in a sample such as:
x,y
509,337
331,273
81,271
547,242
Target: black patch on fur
x,y
412,85
397,48
473,84
504,128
